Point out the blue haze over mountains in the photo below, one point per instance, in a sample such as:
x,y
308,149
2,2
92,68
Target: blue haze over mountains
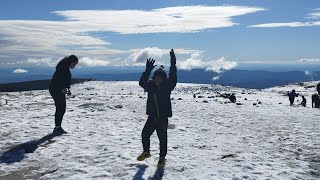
x,y
245,76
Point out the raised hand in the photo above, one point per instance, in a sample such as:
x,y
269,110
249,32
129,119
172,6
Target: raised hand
x,y
173,58
150,64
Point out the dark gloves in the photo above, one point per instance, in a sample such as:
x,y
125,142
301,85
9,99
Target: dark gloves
x,y
173,58
150,65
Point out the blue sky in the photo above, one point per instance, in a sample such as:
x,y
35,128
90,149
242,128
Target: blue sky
x,y
206,34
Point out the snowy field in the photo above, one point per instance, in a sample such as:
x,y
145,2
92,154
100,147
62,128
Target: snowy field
x,y
209,138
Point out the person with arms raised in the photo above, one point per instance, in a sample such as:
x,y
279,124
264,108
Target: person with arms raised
x,y
158,106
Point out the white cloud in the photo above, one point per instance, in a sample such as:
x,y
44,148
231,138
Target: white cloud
x,y
194,62
170,19
142,55
290,24
307,73
218,66
88,62
41,61
221,65
35,38
216,78
20,71
313,15
136,57
84,62
309,60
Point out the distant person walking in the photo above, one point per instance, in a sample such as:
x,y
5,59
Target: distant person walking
x,y
292,96
158,106
315,101
316,98
59,87
304,101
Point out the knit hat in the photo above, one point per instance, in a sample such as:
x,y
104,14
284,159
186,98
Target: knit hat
x,y
160,72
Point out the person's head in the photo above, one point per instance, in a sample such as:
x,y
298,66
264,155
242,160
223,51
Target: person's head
x,y
293,90
72,61
318,88
159,76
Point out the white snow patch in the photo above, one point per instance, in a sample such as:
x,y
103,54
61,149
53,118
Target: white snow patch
x,y
214,140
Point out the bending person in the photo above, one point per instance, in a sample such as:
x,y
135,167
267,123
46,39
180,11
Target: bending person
x,y
59,87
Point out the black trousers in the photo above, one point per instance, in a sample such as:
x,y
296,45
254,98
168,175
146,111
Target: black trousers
x,y
160,126
60,103
291,100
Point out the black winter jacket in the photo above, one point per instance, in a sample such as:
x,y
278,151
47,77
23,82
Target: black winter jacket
x,y
159,102
61,79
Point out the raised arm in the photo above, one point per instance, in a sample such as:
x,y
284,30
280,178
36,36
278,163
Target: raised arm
x,y
144,83
173,71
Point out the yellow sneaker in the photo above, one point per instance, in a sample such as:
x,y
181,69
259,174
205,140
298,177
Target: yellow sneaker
x,y
144,156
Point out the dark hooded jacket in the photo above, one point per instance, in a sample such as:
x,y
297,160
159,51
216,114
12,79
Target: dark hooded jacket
x,y
159,101
61,79
293,94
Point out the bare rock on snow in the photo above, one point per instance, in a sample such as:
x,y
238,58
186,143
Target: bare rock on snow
x,y
228,156
118,106
171,126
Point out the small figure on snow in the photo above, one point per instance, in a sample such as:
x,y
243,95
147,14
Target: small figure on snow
x,y
60,87
158,106
315,100
292,96
233,98
304,101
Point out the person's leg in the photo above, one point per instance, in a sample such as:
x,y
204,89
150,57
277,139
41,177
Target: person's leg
x,y
147,131
291,100
161,128
60,102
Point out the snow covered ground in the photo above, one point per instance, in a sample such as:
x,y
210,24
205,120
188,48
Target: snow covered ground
x,y
207,140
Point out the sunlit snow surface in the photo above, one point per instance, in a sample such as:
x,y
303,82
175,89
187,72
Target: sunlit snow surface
x,y
214,140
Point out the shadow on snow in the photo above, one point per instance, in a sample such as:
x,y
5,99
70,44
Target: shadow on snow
x,y
17,153
142,168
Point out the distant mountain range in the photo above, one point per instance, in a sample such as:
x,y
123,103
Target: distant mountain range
x,y
254,79
31,85
237,78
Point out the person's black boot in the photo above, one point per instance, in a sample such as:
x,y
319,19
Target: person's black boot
x,y
59,131
162,162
